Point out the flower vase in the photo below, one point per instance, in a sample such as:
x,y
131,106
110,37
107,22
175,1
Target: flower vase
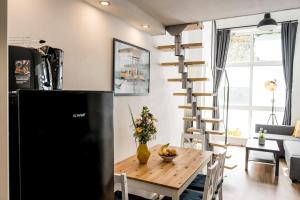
x,y
143,153
261,141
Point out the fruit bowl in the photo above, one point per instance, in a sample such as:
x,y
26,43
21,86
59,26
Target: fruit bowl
x,y
168,158
166,153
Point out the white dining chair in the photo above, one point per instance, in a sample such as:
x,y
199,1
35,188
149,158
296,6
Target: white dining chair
x,y
220,174
208,193
199,182
192,140
210,181
120,182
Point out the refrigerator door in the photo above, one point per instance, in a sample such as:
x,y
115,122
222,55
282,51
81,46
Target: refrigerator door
x,y
14,176
66,145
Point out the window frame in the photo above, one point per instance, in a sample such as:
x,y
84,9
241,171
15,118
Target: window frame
x,y
251,64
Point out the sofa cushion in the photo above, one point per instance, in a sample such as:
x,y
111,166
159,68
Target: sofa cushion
x,y
278,137
297,130
276,129
292,149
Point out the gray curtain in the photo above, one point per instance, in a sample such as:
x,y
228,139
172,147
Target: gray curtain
x,y
221,43
288,41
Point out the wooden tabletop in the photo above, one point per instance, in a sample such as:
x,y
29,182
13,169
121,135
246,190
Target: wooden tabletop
x,y
173,174
270,145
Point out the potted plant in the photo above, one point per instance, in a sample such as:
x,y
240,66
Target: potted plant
x,y
144,131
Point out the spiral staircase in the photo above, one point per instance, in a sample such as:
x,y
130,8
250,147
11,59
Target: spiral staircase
x,y
195,124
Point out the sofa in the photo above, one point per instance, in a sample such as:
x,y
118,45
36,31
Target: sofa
x,y
289,146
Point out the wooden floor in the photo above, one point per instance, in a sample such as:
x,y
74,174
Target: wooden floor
x,y
259,183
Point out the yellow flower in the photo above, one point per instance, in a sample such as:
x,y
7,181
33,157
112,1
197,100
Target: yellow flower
x,y
138,130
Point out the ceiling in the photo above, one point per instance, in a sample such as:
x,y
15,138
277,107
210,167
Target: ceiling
x,y
159,13
170,12
131,14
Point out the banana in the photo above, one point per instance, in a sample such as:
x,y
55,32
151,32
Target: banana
x,y
162,150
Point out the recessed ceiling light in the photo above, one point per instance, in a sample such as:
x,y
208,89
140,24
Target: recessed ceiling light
x,y
145,26
105,3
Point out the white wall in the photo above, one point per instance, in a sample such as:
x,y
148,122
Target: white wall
x,y
278,16
85,34
3,103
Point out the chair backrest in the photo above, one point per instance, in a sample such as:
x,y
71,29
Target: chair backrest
x,y
220,171
211,179
121,180
190,138
221,158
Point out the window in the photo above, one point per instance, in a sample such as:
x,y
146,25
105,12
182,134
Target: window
x,y
253,58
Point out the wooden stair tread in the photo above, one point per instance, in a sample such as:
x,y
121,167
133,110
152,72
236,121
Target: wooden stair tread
x,y
211,120
171,47
218,144
189,79
192,136
217,152
191,130
215,132
194,26
196,94
188,106
175,63
230,167
236,145
212,132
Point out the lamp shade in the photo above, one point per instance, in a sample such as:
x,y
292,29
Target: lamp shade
x,y
271,85
267,23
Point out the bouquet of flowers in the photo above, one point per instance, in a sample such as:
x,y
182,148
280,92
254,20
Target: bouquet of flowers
x,y
144,126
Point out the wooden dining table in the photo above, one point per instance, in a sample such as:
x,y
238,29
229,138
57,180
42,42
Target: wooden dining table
x,y
164,178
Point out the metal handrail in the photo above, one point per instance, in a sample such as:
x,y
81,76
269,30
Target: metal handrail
x,y
226,102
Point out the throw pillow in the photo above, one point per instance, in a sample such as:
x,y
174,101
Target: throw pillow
x,y
297,130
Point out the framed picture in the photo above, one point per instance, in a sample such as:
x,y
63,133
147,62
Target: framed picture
x,y
131,75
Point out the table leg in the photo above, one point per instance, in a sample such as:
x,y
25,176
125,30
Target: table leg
x,y
246,159
277,164
175,197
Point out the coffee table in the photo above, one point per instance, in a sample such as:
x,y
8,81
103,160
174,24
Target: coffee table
x,y
268,153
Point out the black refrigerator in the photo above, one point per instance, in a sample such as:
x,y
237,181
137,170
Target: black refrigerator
x,y
61,145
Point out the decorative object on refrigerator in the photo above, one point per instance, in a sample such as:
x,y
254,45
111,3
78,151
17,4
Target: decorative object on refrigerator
x,y
55,57
35,68
26,69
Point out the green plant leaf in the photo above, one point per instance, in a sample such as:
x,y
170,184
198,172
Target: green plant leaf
x,y
132,118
